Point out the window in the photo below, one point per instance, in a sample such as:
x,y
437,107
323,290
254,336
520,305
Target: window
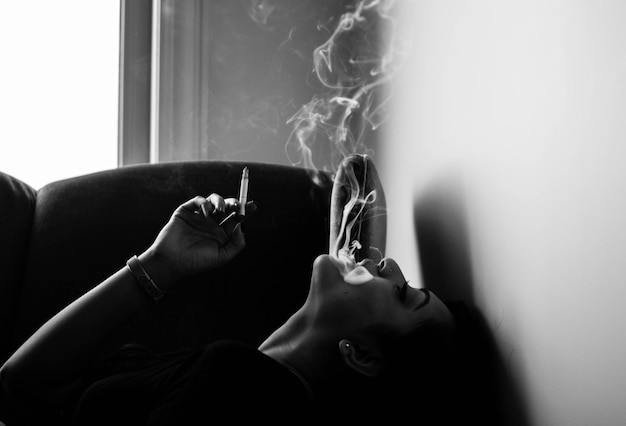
x,y
167,79
59,85
220,79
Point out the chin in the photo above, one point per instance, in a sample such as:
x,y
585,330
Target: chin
x,y
325,272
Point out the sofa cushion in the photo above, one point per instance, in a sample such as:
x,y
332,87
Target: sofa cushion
x,y
85,228
17,205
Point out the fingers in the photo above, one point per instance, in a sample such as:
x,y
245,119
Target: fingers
x,y
224,211
236,242
194,204
216,204
212,206
232,205
232,221
251,207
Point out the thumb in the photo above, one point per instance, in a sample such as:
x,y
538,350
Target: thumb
x,y
234,220
235,243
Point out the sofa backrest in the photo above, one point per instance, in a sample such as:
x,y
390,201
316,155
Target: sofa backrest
x,y
85,228
17,206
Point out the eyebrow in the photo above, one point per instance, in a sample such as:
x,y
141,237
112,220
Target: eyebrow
x,y
426,299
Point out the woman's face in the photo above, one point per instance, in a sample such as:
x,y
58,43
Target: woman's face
x,y
379,295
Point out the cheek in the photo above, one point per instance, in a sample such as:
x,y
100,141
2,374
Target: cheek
x,y
349,308
362,309
383,308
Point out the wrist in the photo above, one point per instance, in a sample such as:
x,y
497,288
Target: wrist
x,y
159,268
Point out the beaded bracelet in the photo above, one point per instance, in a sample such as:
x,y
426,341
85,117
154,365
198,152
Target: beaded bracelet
x,y
143,279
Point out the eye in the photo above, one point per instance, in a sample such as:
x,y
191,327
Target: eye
x,y
402,291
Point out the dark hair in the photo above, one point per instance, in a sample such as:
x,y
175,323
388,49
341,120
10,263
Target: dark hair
x,y
420,373
442,378
418,379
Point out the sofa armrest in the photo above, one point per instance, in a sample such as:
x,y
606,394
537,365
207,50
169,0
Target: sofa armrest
x,y
17,206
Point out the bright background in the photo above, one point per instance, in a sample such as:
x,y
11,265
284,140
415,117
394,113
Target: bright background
x,y
59,88
507,136
509,139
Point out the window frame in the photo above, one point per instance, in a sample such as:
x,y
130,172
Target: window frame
x,y
135,87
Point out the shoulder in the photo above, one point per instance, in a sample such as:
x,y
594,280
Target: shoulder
x,y
235,362
223,377
235,378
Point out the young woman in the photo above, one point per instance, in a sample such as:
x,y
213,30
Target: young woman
x,y
340,355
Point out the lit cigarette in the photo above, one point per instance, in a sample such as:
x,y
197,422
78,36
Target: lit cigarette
x,y
243,192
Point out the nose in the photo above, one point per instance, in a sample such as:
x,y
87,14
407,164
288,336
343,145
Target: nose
x,y
388,268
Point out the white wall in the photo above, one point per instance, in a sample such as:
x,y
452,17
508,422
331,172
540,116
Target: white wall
x,y
58,86
514,114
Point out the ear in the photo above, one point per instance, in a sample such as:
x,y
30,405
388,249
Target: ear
x,y
363,359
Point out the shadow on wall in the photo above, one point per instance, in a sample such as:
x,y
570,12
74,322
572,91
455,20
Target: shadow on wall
x,y
488,393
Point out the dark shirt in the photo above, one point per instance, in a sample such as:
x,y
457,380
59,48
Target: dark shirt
x,y
222,383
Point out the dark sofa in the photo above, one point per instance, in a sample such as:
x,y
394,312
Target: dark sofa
x,y
59,241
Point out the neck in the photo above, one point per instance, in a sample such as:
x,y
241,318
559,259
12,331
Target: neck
x,y
302,348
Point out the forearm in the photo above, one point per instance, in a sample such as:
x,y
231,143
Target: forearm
x,y
57,355
60,351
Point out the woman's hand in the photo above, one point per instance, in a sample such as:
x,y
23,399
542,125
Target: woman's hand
x,y
202,234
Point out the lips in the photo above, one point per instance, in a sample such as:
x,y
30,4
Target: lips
x,y
354,273
359,275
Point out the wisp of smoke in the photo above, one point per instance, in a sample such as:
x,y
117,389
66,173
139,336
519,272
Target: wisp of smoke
x,y
352,65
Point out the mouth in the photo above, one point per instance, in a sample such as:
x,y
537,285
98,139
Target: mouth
x,y
351,272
